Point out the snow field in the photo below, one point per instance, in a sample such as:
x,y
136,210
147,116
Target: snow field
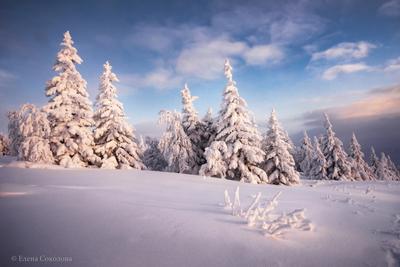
x,y
143,218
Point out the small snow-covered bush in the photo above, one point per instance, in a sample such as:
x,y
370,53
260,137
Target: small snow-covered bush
x,y
216,163
35,132
261,216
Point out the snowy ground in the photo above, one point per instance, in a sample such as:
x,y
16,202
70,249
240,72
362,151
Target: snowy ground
x,y
142,218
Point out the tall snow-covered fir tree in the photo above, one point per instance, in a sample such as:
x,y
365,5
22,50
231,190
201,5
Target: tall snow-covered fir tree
x,y
193,126
279,163
318,164
116,143
14,133
235,127
70,110
337,163
305,154
360,169
152,157
175,145
35,131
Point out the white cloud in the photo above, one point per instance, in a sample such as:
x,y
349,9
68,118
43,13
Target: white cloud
x,y
205,59
334,71
390,8
263,54
345,51
160,78
168,38
392,65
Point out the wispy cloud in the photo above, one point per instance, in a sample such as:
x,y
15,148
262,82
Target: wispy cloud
x,y
345,50
378,102
205,59
263,54
390,8
332,72
292,22
375,103
201,52
161,38
392,65
296,24
160,79
255,35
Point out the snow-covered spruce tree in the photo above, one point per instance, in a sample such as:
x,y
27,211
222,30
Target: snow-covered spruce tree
x,y
14,133
4,145
216,156
236,128
293,150
393,168
337,163
152,157
35,132
360,169
279,163
318,164
305,154
70,111
193,126
115,141
291,147
383,171
175,145
374,163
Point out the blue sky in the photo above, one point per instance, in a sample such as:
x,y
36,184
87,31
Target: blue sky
x,y
301,57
